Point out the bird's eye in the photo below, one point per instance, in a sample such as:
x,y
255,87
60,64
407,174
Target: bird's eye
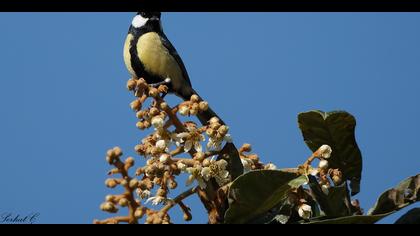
x,y
144,14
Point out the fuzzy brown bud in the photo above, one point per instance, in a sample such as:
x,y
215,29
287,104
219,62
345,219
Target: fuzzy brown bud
x,y
210,132
140,125
246,147
172,184
109,198
154,111
204,106
147,123
161,192
110,159
193,112
223,130
124,183
184,110
133,183
135,105
130,161
139,213
111,183
206,163
164,105
215,126
123,202
109,207
131,84
153,92
254,157
199,156
214,120
117,151
194,98
141,114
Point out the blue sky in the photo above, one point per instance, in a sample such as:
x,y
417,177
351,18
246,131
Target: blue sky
x,y
63,99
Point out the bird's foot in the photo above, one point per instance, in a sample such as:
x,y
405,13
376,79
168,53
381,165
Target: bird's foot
x,y
167,81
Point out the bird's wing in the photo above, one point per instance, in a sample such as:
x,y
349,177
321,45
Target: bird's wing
x,y
168,45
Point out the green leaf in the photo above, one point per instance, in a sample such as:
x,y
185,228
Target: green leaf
x,y
336,203
350,220
411,217
337,130
391,201
299,181
230,154
405,193
255,193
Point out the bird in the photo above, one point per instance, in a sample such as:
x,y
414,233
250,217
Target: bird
x,y
149,54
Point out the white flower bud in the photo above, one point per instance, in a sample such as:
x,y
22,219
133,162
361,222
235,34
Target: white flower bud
x,y
161,145
194,111
164,158
184,111
247,164
325,151
214,120
157,122
228,138
181,166
323,164
270,166
305,211
164,105
194,98
204,106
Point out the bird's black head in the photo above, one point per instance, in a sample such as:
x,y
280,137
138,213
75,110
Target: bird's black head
x,y
149,20
149,15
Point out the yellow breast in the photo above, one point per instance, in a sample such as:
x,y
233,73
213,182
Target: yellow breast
x,y
156,58
127,55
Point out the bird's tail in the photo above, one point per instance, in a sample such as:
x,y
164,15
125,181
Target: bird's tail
x,y
203,117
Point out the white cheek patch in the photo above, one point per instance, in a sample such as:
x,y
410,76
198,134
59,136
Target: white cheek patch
x,y
139,21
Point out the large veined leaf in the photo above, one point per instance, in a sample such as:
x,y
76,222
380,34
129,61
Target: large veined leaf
x,y
404,194
255,193
230,154
391,201
411,217
351,220
337,130
334,204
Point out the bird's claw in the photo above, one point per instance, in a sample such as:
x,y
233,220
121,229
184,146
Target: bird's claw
x,y
167,81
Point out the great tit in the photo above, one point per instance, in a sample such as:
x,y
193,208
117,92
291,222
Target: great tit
x,y
149,54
